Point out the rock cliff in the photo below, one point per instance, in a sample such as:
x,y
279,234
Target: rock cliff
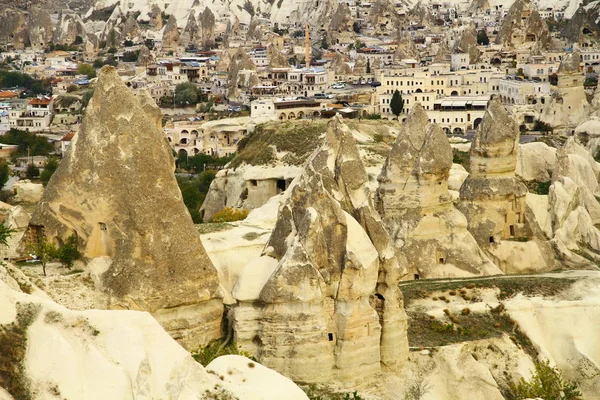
x,y
329,307
414,202
494,200
116,191
523,25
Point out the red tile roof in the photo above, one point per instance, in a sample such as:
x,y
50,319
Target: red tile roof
x,y
41,101
8,94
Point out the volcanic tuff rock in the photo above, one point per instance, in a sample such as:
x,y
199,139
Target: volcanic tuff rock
x,y
206,21
568,106
191,32
493,199
40,28
116,190
145,57
170,39
417,209
97,354
242,73
468,44
406,47
13,28
69,27
330,308
523,24
276,58
580,21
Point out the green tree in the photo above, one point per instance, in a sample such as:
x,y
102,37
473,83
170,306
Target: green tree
x,y
44,250
149,43
6,232
48,171
4,175
397,103
324,44
32,171
87,96
547,383
78,40
186,94
482,38
368,66
69,253
356,27
131,56
29,143
86,69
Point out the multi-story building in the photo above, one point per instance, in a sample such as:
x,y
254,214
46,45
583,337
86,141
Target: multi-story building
x,y
517,91
36,117
215,138
283,109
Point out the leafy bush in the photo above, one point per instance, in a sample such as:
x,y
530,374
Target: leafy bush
x,y
29,143
542,126
546,383
48,171
229,214
32,171
69,253
461,157
216,349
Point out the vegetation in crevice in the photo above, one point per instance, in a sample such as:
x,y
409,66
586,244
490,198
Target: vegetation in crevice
x,y
13,348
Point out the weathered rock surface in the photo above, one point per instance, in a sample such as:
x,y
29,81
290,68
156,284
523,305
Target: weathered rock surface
x,y
523,25
494,200
27,192
417,209
569,106
468,44
170,38
328,278
114,355
116,191
39,25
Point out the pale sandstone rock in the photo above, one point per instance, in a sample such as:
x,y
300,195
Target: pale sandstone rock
x,y
18,220
523,25
122,354
170,38
249,380
27,192
569,106
416,206
116,190
536,161
494,200
335,280
458,174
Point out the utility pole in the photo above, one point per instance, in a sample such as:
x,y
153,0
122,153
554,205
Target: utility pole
x,y
307,46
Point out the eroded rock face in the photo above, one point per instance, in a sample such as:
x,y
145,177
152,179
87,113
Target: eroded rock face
x,y
114,355
144,57
206,21
468,44
414,202
40,27
67,30
242,73
523,25
170,39
116,191
328,278
13,28
569,106
276,58
493,199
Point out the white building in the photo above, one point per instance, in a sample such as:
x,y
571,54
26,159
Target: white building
x,y
36,117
